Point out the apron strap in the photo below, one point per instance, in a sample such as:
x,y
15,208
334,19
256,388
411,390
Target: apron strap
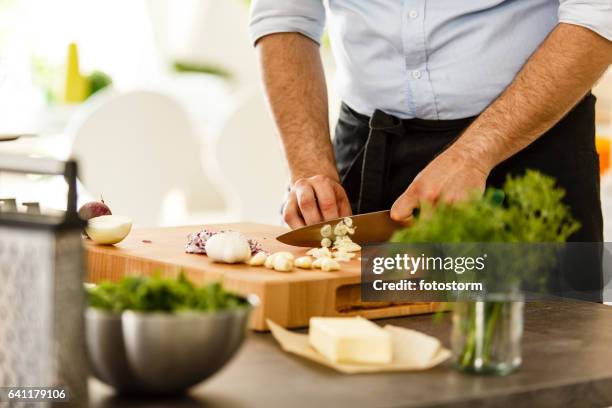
x,y
374,164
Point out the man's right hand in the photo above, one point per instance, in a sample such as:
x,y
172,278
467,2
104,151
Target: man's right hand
x,y
315,199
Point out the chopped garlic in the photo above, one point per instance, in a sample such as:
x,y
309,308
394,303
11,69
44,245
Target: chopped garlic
x,y
340,229
348,247
343,256
343,246
346,244
326,231
340,240
319,252
329,264
258,259
304,262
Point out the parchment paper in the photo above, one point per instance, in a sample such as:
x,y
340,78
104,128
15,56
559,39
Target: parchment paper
x,y
412,351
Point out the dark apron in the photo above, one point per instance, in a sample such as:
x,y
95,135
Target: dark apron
x,y
378,158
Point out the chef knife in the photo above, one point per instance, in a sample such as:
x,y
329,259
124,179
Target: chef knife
x,y
370,228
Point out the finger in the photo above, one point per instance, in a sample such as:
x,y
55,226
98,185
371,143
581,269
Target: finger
x,y
404,206
308,204
291,212
326,199
344,206
407,221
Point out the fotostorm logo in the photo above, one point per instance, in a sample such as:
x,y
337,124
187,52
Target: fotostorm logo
x,y
413,264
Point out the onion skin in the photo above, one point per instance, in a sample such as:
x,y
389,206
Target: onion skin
x,y
93,209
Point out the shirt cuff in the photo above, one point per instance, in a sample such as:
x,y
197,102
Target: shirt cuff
x,y
265,25
595,18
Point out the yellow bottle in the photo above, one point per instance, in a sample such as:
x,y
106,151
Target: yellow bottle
x,y
76,87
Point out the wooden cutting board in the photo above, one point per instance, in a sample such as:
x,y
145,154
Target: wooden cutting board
x,y
289,299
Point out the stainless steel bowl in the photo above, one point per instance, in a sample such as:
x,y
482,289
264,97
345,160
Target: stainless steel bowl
x,y
106,350
161,353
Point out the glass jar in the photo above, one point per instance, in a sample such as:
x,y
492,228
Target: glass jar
x,y
486,335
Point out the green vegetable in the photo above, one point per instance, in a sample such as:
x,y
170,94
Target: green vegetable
x,y
98,80
531,218
532,212
183,66
155,293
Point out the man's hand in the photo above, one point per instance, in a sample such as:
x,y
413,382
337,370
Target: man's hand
x,y
450,177
295,84
315,199
553,80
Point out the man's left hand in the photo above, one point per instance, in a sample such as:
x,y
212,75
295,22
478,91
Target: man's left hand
x,y
450,177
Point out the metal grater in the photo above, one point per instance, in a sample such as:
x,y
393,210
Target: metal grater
x,y
41,294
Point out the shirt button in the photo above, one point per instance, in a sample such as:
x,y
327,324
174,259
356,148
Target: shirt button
x,y
413,14
416,74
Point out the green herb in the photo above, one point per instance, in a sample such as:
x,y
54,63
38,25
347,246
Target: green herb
x,y
161,294
533,212
528,222
98,80
184,66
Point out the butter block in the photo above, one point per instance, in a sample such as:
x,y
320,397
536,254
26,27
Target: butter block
x,y
350,340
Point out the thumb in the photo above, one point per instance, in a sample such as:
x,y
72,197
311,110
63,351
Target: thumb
x,y
403,208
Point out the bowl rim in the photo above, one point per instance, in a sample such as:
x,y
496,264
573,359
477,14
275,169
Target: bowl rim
x,y
252,303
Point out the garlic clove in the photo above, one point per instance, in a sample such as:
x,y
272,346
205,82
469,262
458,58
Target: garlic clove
x,y
283,264
329,264
304,262
269,263
317,262
258,259
285,254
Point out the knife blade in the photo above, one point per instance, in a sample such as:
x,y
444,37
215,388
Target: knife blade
x,y
370,228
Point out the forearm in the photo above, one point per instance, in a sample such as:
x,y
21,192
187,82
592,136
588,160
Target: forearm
x,y
554,79
295,86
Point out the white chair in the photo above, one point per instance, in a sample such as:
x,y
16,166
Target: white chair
x,y
138,150
248,162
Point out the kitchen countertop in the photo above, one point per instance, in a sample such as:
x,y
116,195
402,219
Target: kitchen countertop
x,y
567,361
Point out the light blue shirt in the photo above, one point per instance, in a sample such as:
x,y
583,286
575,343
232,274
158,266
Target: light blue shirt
x,y
436,59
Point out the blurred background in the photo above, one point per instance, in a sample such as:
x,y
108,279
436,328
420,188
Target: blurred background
x,y
160,102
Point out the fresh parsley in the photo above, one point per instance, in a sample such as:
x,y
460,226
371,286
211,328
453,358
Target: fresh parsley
x,y
158,294
531,223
